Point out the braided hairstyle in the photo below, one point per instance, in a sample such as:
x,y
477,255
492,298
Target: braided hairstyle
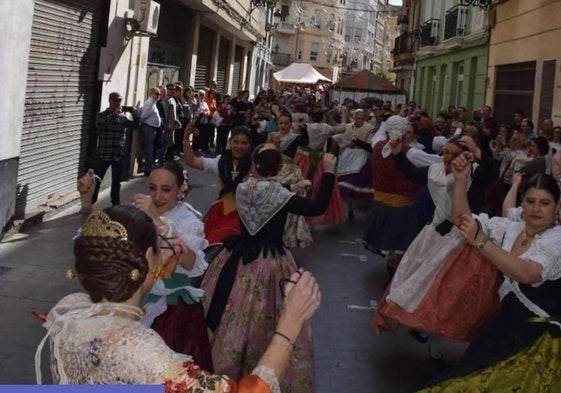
x,y
104,264
267,162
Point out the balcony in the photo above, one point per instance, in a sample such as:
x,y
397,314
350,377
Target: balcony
x,y
286,28
429,32
405,45
455,23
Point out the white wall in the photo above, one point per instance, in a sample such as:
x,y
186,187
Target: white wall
x,y
123,62
15,39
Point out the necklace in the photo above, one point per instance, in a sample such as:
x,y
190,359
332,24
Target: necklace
x,y
234,172
529,238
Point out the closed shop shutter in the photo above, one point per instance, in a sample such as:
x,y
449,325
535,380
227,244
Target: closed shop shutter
x,y
59,99
204,55
548,85
514,89
236,75
222,67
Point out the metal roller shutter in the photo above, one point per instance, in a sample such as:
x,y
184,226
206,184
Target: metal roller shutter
x,y
222,67
204,55
59,101
236,75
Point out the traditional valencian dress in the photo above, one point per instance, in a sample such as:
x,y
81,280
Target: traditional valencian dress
x,y
308,158
174,305
354,172
222,218
442,285
91,345
518,349
242,295
296,230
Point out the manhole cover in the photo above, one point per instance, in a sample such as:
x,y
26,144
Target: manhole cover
x,y
4,269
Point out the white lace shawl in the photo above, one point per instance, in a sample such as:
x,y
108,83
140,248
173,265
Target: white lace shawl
x,y
258,200
89,349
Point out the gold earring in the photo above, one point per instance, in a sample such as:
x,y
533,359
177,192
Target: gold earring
x,y
70,274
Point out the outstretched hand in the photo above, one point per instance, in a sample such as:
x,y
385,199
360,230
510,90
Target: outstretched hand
x,y
145,203
303,298
461,166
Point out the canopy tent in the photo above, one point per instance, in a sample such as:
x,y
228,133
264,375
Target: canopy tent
x,y
365,84
300,73
366,81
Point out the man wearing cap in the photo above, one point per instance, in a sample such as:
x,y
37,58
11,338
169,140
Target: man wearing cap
x,y
111,135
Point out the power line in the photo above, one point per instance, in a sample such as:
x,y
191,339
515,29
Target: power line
x,y
349,9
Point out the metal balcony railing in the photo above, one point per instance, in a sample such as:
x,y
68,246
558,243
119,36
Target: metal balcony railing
x,y
455,22
404,43
429,32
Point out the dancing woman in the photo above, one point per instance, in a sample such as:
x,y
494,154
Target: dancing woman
x,y
242,296
517,349
442,285
174,306
232,167
96,337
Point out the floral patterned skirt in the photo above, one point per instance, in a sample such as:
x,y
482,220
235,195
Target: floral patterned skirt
x,y
250,318
534,369
296,229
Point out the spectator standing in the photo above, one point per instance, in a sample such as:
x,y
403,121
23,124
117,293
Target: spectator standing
x,y
112,125
150,122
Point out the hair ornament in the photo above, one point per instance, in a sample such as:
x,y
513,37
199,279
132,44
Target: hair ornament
x,y
99,224
186,186
134,275
268,146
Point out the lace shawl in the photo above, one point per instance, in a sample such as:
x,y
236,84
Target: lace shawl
x,y
258,200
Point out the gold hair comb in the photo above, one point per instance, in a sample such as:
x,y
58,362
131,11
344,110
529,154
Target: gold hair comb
x,y
99,224
268,146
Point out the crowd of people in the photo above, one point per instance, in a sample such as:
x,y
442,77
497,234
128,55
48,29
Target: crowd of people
x,y
463,209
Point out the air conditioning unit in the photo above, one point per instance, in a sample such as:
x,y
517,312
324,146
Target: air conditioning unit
x,y
146,14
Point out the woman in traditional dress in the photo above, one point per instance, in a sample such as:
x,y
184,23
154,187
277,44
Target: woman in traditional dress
x,y
442,285
174,306
232,167
308,158
354,172
518,349
242,297
96,337
296,230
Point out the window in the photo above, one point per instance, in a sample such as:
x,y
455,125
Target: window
x,y
314,49
284,12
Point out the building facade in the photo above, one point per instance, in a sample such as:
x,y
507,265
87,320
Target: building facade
x,y
451,60
310,32
524,60
59,75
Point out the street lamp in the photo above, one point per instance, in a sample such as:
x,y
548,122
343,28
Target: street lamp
x,y
276,19
261,3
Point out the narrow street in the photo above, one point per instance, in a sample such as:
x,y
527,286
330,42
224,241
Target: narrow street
x,y
350,357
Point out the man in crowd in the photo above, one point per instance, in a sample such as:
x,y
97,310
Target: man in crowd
x,y
112,125
150,122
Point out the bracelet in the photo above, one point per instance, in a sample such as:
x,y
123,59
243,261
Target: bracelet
x,y
286,338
